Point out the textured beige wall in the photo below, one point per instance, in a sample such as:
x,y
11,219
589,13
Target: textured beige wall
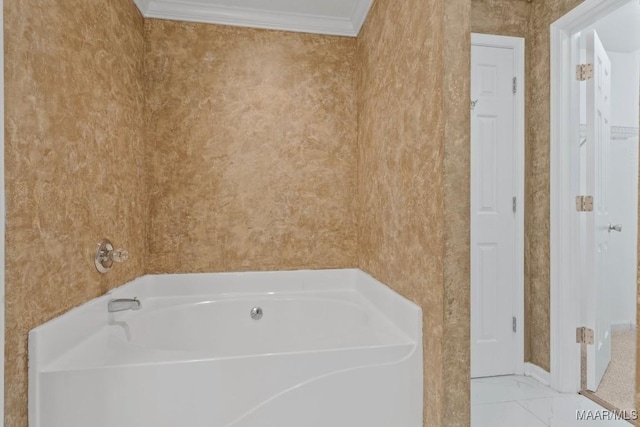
x,y
456,197
501,17
401,179
537,213
73,147
278,192
251,149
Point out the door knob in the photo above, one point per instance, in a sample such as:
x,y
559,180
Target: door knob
x,y
617,227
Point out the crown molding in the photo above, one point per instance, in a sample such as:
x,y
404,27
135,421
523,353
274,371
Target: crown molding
x,y
245,17
142,5
359,15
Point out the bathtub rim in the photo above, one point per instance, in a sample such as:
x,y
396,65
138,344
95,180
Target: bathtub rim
x,y
50,340
46,342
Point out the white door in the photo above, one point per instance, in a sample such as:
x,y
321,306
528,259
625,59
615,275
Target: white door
x,y
598,145
493,186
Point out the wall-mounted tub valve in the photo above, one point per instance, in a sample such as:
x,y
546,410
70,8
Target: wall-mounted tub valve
x,y
106,256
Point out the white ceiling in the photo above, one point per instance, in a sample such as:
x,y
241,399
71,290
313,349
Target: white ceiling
x,y
620,31
336,17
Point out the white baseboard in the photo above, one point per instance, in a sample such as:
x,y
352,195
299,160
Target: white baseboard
x,y
623,326
537,373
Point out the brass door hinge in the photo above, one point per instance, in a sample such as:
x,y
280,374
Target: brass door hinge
x,y
584,72
584,203
584,336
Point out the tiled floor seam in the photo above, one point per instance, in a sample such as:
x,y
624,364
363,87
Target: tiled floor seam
x,y
545,422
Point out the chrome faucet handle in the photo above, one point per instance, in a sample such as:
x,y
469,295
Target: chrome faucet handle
x,y
617,227
106,255
119,255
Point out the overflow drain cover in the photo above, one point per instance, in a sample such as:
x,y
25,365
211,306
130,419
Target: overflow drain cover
x,y
256,313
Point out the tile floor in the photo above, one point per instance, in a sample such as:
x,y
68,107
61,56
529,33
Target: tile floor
x,y
512,401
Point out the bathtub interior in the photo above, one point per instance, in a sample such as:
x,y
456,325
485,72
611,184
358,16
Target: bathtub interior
x,y
291,322
201,316
317,327
203,328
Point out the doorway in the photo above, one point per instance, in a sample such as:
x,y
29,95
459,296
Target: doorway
x,y
594,154
497,205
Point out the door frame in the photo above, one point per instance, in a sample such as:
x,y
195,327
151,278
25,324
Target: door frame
x,y
517,44
564,187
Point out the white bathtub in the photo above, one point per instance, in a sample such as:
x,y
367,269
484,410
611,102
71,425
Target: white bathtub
x,y
333,348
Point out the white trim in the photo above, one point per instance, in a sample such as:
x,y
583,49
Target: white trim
x,y
359,15
246,17
564,233
537,373
517,44
142,5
